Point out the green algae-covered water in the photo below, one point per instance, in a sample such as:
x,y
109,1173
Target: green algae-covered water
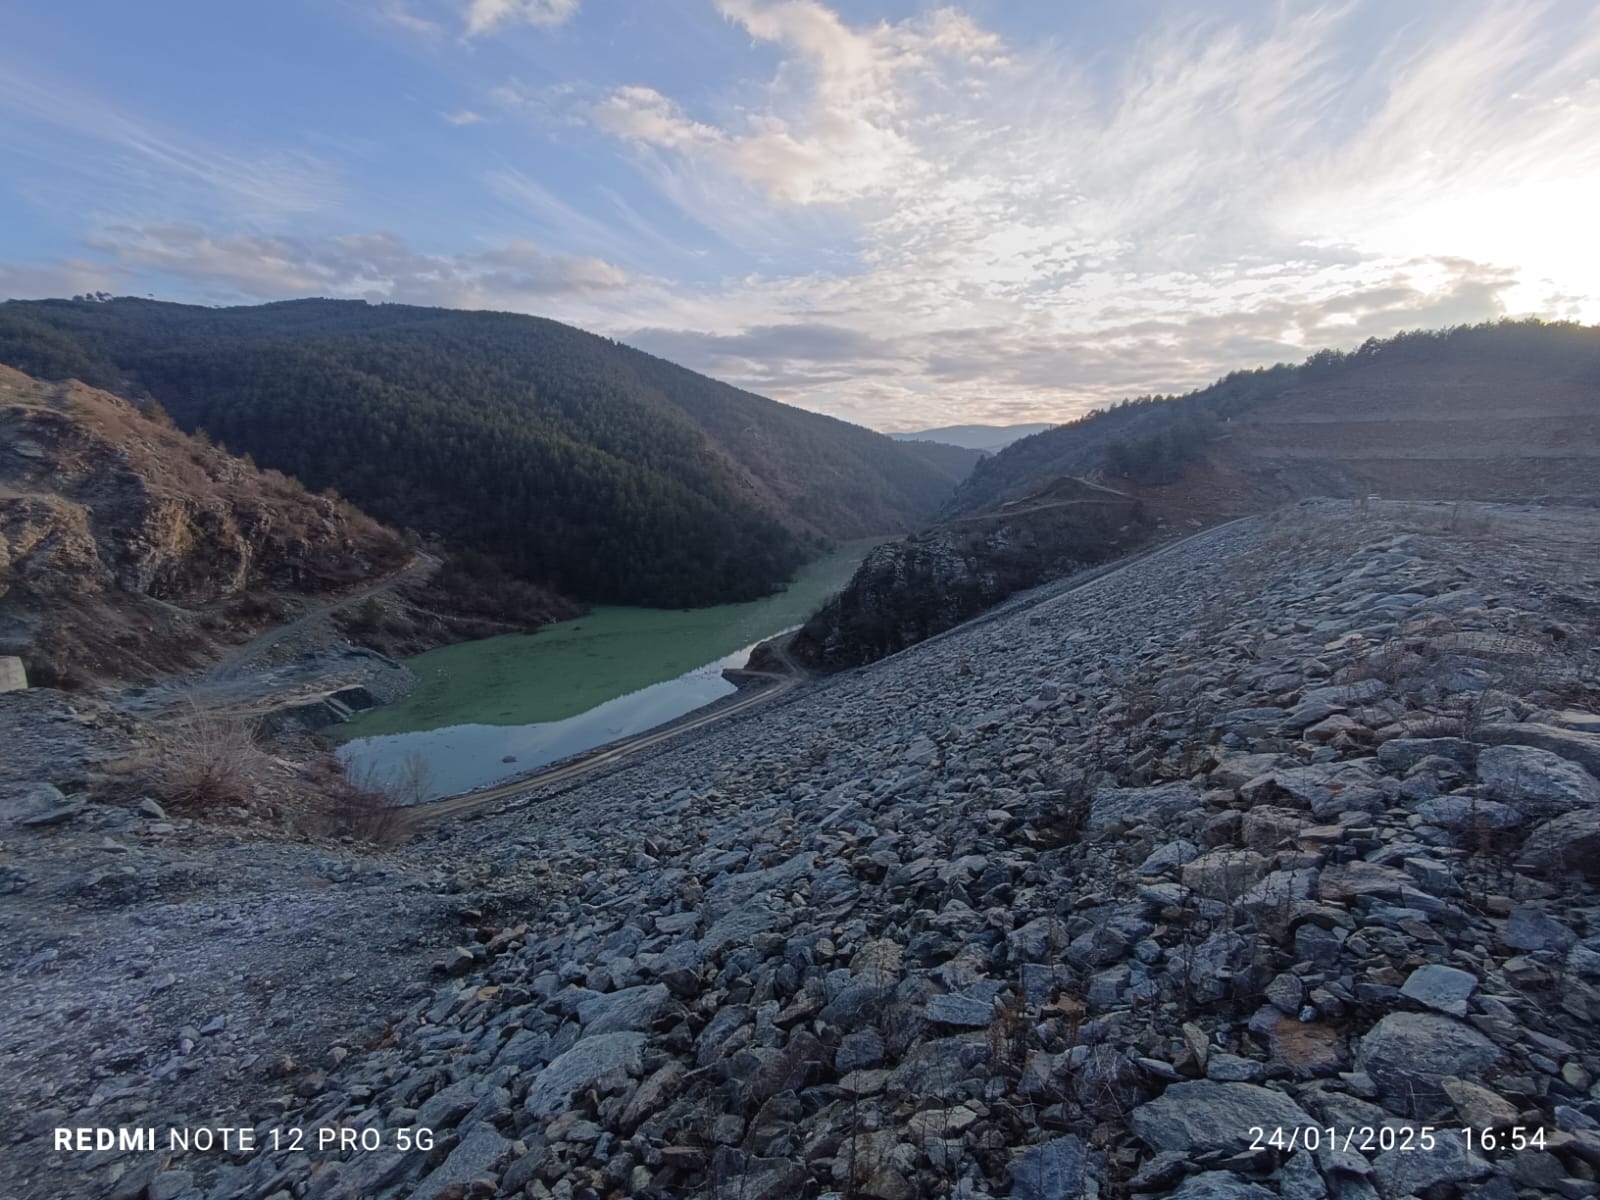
x,y
536,698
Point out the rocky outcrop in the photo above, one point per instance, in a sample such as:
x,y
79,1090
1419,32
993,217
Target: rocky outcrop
x,y
907,591
124,543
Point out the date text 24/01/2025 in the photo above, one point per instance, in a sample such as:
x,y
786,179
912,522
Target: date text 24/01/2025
x,y
1370,1138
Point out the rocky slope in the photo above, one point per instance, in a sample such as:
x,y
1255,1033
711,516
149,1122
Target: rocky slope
x,y
1292,826
906,591
126,546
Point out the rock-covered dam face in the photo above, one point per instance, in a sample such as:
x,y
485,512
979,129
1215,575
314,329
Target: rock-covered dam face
x,y
1264,867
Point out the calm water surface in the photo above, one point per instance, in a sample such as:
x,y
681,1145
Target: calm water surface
x,y
575,685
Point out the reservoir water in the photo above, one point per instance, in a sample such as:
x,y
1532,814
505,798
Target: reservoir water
x,y
537,698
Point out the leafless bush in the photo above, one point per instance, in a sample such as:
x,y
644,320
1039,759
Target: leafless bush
x,y
372,802
206,761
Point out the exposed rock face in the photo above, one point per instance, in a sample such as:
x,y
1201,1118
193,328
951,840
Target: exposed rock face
x,y
910,590
1097,917
116,530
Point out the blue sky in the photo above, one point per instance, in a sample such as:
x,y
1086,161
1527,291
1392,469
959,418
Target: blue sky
x,y
899,213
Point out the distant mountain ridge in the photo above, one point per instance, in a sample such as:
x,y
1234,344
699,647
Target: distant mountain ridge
x,y
611,475
972,437
953,462
1506,411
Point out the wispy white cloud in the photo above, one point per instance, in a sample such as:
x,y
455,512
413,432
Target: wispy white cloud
x,y
1228,195
140,158
485,16
512,275
988,229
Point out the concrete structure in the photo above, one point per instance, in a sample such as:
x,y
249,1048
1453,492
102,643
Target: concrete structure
x,y
12,676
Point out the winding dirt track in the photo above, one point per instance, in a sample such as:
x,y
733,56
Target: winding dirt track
x,y
237,663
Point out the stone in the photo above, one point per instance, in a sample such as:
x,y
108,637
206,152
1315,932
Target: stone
x,y
33,803
1224,874
1231,1068
1469,814
1568,844
581,1066
13,676
972,1008
1286,992
1531,928
654,1093
1166,857
632,1008
1220,1185
477,1155
1477,1106
1265,827
1409,1054
447,1106
458,961
1414,1172
1401,754
1360,880
149,808
747,1177
169,1185
1052,1171
859,1050
1113,809
1538,783
1580,748
1443,988
737,928
1201,1115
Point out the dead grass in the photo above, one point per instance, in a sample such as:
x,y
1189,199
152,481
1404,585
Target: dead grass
x,y
370,805
206,762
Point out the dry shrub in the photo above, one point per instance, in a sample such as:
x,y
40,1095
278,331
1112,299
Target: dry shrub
x,y
371,803
206,761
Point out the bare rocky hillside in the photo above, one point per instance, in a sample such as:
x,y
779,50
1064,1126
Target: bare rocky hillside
x,y
128,549
1258,868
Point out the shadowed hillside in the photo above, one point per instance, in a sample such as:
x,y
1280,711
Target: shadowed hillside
x,y
1503,411
607,473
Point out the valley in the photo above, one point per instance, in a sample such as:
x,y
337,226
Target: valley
x,y
1135,797
1077,893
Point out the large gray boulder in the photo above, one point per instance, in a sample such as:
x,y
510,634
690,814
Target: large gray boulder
x,y
1566,844
1052,1171
1220,1185
1570,744
1409,1054
582,1065
1536,782
477,1155
1224,874
1199,1115
1114,809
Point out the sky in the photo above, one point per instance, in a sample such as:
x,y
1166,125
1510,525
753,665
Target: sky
x,y
902,214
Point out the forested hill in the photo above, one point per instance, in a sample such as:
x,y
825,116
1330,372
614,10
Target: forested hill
x,y
1505,410
573,460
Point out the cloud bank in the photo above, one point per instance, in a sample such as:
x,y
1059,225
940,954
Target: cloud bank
x,y
988,230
